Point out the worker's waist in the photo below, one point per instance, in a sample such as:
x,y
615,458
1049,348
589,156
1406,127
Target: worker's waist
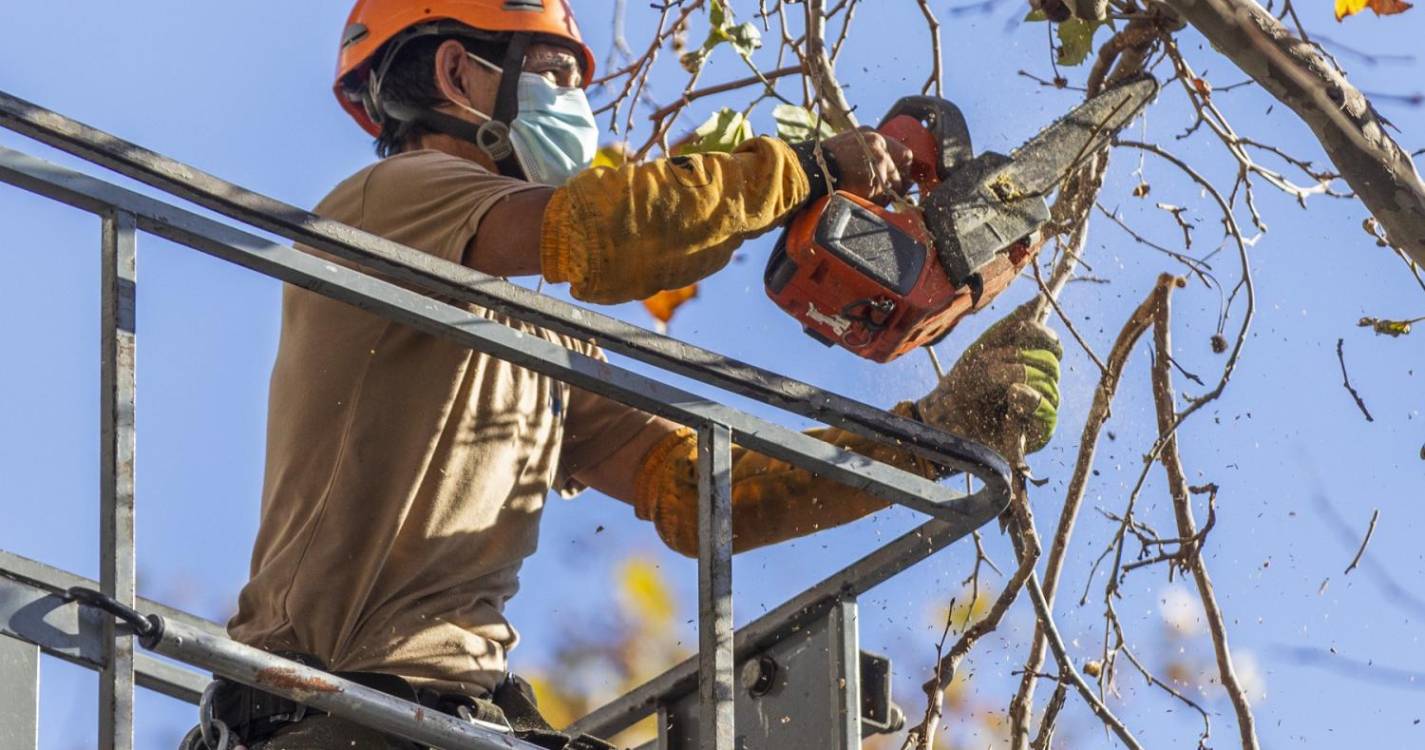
x,y
255,714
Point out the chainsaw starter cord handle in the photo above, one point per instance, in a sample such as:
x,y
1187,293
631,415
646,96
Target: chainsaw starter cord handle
x,y
821,179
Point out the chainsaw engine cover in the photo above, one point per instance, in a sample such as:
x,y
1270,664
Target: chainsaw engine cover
x,y
862,277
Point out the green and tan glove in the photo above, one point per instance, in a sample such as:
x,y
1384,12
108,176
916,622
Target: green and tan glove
x,y
1006,385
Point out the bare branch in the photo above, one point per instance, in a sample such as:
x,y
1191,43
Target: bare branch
x,y
1346,380
1187,528
834,105
1370,530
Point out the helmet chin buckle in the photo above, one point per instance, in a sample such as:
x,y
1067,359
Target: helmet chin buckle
x,y
493,137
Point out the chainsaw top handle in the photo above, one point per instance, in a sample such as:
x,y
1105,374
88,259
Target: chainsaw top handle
x,y
935,132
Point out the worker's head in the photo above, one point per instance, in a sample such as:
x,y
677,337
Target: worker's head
x,y
498,80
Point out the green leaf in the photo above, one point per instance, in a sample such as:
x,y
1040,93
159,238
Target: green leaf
x,y
745,38
796,124
1076,40
724,131
1035,16
718,17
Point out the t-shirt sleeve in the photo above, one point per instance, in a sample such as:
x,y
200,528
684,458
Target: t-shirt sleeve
x,y
596,427
433,201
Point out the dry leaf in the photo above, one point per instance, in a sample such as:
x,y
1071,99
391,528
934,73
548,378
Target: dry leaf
x,y
663,304
1141,190
1202,87
1392,328
1381,7
1093,668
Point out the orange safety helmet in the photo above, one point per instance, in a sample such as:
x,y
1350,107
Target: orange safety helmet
x,y
373,23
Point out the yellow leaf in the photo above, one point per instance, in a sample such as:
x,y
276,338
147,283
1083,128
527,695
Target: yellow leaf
x,y
1093,668
1349,8
663,304
613,155
645,591
1392,328
1381,7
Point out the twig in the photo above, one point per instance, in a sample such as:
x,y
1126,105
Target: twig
x,y
1066,667
936,75
1375,516
1069,324
1045,738
721,88
1346,380
922,736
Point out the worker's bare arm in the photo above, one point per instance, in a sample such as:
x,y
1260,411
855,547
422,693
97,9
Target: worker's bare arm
x,y
616,476
508,243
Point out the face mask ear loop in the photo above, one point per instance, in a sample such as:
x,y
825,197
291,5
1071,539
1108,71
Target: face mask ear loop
x,y
507,104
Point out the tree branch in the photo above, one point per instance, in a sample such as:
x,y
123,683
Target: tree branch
x,y
834,106
1187,527
1301,77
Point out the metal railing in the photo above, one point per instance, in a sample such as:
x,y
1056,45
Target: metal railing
x,y
407,286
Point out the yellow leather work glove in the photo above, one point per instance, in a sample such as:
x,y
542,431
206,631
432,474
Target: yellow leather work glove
x,y
1006,385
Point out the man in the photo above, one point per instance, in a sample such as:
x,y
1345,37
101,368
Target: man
x,y
406,475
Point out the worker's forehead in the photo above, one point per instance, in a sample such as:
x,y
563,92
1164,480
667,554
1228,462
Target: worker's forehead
x,y
550,52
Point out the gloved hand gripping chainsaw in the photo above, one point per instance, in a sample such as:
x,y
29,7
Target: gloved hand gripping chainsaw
x,y
881,282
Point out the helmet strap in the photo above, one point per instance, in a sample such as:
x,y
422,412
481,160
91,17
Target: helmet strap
x,y
492,136
507,103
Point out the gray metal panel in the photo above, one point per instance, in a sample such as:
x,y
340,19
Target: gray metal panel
x,y
405,306
811,701
116,471
467,285
19,694
854,579
715,587
843,672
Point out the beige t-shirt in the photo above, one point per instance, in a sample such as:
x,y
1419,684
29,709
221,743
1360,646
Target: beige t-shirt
x,y
406,474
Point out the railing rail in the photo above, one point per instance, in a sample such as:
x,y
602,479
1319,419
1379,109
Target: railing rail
x,y
125,213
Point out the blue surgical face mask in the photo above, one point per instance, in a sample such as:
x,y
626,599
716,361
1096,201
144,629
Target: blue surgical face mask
x,y
554,133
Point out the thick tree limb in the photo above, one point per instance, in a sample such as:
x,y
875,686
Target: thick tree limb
x,y
1301,77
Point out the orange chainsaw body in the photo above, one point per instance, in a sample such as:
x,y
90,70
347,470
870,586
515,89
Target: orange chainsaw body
x,y
867,277
876,304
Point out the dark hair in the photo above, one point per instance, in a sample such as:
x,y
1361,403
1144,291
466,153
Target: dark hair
x,y
410,80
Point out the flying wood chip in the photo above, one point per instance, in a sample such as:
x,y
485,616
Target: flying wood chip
x,y
1381,7
663,304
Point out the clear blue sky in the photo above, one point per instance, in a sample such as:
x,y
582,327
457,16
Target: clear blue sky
x,y
242,90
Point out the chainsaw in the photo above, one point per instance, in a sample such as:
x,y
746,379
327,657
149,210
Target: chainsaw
x,y
881,281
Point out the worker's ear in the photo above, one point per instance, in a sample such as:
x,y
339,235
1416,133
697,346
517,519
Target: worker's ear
x,y
461,80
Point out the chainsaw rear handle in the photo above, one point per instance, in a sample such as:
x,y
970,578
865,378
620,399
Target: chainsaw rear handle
x,y
935,131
